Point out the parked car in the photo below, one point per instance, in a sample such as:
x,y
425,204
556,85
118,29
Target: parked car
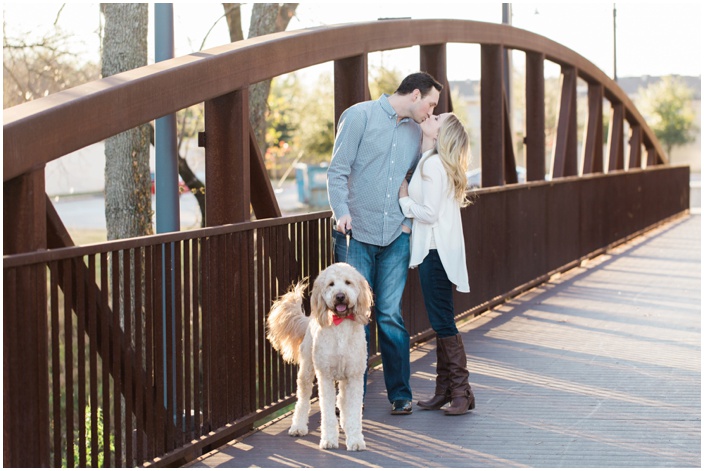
x,y
474,176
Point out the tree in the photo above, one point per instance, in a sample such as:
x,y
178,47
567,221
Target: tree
x,y
128,204
667,107
266,18
34,69
384,80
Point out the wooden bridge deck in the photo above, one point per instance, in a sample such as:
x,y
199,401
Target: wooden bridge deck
x,y
600,367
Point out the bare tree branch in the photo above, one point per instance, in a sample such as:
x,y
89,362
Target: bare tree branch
x,y
58,14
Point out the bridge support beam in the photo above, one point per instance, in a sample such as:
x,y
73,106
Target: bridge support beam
x,y
510,173
593,154
615,144
492,115
564,159
635,160
535,116
433,60
25,329
351,83
227,168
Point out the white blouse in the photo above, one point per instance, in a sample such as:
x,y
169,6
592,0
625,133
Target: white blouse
x,y
436,218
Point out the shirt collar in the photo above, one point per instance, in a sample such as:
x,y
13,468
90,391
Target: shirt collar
x,y
386,106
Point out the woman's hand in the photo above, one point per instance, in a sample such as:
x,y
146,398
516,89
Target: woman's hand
x,y
403,191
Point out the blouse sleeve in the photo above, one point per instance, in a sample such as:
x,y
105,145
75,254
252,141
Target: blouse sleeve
x,y
427,209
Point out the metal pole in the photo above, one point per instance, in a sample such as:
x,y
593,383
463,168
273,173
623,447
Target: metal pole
x,y
506,13
166,182
615,76
166,179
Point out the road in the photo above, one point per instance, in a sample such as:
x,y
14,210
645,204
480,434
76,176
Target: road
x,y
87,212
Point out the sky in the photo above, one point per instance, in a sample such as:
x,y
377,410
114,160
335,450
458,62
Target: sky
x,y
652,38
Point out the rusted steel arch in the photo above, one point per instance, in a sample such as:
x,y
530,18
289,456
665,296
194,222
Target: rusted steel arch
x,y
600,210
72,119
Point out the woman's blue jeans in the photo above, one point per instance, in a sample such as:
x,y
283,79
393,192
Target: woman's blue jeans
x,y
386,270
437,295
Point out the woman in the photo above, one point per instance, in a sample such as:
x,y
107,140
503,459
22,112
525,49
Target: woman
x,y
433,199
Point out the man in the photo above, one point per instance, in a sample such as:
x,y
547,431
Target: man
x,y
377,144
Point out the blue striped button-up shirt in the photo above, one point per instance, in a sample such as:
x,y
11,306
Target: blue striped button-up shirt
x,y
371,157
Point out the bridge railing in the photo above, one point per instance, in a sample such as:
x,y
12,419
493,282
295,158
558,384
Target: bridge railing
x,y
151,350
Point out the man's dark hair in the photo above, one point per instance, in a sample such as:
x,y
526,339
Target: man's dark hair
x,y
423,81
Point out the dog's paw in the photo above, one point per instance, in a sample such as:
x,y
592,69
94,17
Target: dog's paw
x,y
356,444
295,431
328,444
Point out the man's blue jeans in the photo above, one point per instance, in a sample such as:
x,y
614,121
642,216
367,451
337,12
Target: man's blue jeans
x,y
386,270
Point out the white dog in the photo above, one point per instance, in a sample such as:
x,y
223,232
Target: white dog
x,y
330,344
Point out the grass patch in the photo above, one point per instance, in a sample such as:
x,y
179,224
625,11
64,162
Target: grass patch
x,y
88,236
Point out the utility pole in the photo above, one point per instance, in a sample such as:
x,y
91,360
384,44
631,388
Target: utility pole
x,y
615,76
166,171
166,182
506,13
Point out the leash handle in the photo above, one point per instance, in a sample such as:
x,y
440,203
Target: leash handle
x,y
348,234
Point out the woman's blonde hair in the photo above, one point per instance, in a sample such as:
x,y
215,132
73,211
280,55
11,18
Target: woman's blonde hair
x,y
453,149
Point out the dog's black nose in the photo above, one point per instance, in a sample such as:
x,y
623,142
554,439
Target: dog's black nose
x,y
340,297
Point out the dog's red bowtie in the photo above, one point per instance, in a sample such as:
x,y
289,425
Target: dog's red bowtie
x,y
337,319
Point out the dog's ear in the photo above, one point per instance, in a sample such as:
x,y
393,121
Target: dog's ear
x,y
364,301
319,310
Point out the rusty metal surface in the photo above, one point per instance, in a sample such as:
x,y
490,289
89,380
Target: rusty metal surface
x,y
535,117
218,374
599,368
185,392
73,119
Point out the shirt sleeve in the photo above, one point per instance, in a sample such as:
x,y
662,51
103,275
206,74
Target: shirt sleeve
x,y
433,188
349,135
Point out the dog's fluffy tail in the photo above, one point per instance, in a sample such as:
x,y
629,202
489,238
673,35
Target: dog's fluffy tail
x,y
287,323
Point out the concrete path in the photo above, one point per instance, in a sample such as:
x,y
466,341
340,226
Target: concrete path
x,y
600,367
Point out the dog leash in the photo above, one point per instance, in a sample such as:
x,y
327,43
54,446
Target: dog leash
x,y
348,235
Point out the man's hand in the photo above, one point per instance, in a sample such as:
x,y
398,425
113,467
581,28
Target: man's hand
x,y
344,224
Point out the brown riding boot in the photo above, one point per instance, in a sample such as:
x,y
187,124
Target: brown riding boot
x,y
460,390
442,382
